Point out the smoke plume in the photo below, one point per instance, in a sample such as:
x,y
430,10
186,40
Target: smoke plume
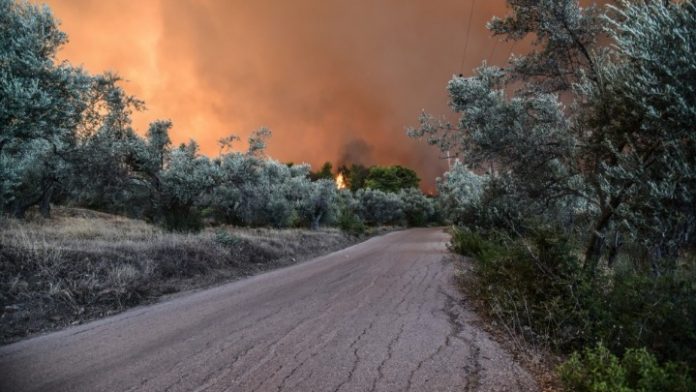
x,y
334,80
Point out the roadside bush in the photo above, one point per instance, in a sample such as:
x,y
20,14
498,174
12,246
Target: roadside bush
x,y
469,243
459,189
496,208
537,287
656,312
598,370
534,286
375,207
351,223
418,209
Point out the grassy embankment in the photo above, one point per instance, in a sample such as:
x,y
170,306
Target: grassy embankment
x,y
81,265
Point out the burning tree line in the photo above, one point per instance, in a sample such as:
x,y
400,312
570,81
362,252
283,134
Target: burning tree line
x,y
356,176
67,138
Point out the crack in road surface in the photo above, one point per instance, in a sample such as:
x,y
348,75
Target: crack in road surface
x,y
383,315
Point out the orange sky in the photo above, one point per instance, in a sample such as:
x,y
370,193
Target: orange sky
x,y
332,79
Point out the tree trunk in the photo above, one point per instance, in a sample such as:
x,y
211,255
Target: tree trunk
x,y
20,208
594,247
316,220
45,202
614,250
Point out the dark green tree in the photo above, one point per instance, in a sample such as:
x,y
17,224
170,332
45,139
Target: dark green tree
x,y
357,174
391,178
325,173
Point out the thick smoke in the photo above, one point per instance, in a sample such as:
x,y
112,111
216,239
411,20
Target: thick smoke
x,y
356,151
323,75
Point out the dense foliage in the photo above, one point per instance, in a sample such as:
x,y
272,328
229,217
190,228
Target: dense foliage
x,y
391,178
355,175
41,106
598,370
583,225
67,137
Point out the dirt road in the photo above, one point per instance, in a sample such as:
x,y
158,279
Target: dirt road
x,y
379,316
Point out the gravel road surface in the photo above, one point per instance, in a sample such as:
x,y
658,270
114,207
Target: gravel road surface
x,y
383,315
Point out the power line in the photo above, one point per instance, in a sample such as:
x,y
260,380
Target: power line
x,y
468,31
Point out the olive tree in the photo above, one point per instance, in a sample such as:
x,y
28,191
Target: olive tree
x,y
109,155
318,202
418,209
41,105
375,207
642,109
580,125
186,177
458,190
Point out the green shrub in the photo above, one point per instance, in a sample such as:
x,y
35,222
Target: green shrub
x,y
227,239
470,243
182,219
535,286
538,288
351,223
653,311
598,370
419,210
375,207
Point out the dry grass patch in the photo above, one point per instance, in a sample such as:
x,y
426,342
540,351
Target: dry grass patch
x,y
81,265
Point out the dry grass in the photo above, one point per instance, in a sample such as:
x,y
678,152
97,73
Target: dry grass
x,y
81,265
539,361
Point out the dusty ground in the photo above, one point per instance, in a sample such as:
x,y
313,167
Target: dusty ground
x,y
383,315
83,265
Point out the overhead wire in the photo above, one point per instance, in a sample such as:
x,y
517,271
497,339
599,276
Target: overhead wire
x,y
468,32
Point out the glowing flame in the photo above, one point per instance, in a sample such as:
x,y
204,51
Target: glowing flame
x,y
340,181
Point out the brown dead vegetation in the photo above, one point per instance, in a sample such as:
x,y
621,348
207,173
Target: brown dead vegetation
x,y
82,264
